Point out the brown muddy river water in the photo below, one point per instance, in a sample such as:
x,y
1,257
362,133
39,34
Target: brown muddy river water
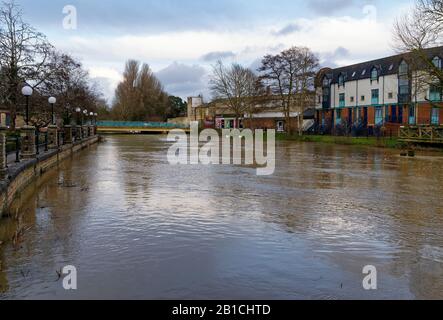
x,y
136,227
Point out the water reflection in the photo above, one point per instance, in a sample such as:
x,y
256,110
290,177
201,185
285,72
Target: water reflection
x,y
137,227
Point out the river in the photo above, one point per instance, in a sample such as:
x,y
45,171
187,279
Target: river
x,y
136,227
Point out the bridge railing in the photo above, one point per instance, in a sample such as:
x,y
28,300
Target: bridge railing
x,y
140,125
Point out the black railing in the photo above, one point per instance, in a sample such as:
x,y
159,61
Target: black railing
x,y
41,140
61,138
13,145
354,130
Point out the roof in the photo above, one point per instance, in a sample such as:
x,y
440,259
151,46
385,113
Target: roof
x,y
386,66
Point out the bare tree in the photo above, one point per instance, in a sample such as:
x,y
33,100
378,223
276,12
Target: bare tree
x,y
290,75
236,85
69,82
23,55
415,32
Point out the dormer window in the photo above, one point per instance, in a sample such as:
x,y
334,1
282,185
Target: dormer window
x,y
437,62
404,68
374,74
325,82
363,72
341,80
353,74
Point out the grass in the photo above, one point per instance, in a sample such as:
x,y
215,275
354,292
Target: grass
x,y
360,141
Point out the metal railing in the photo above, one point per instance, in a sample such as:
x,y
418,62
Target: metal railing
x,y
13,145
61,138
136,124
14,142
357,130
41,140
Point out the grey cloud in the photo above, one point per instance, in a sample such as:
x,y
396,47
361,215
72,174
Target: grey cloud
x,y
183,80
329,6
217,55
289,29
105,86
340,51
255,65
330,58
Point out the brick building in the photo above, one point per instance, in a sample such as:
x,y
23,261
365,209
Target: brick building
x,y
385,93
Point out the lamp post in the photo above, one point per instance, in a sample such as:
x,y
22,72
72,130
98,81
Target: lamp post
x,y
91,115
84,128
85,113
27,92
78,110
95,118
52,101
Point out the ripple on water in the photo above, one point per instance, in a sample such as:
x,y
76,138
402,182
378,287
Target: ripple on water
x,y
145,229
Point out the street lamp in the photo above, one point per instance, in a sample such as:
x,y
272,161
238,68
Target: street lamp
x,y
78,110
27,92
91,114
95,118
85,113
52,101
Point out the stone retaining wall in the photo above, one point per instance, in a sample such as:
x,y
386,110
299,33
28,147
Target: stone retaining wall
x,y
20,175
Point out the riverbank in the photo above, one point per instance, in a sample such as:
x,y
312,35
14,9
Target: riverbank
x,y
392,143
21,174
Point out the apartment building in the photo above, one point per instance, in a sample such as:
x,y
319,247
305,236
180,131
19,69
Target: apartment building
x,y
385,93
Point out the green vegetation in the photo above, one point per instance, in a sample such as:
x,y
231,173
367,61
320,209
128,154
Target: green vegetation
x,y
361,141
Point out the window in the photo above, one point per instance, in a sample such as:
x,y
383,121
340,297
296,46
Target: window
x,y
326,100
390,95
378,116
435,116
435,93
403,83
342,101
341,80
338,117
404,88
353,74
400,114
352,99
391,67
374,74
411,115
363,72
393,114
437,62
403,69
362,98
319,99
374,96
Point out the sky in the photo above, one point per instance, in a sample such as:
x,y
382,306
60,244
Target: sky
x,y
182,39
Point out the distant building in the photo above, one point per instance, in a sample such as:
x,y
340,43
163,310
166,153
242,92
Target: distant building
x,y
379,93
266,114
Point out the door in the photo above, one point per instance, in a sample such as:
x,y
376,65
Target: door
x,y
365,117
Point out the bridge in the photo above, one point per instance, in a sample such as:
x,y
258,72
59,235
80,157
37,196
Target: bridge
x,y
137,127
422,134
